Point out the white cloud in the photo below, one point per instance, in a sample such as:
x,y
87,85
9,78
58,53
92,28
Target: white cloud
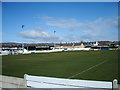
x,y
100,28
73,24
38,34
70,24
47,17
71,37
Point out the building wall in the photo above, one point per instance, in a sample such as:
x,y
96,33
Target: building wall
x,y
70,47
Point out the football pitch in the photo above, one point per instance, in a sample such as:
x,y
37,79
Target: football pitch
x,y
88,65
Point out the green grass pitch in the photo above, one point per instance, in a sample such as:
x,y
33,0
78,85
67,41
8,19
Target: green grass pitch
x,y
87,65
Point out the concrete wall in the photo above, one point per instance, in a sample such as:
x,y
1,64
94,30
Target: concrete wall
x,y
11,82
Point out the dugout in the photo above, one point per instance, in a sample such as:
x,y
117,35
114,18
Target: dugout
x,y
100,47
43,48
38,48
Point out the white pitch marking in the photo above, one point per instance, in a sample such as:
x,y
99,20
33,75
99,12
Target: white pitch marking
x,y
88,69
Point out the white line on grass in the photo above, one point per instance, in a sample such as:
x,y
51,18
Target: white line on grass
x,y
88,69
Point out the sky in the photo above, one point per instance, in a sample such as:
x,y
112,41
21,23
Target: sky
x,y
59,21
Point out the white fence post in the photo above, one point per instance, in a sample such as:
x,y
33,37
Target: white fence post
x,y
115,84
25,75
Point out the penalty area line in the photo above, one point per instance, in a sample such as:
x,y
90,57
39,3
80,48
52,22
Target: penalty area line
x,y
87,69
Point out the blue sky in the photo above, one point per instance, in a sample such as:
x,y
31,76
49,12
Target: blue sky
x,y
73,22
